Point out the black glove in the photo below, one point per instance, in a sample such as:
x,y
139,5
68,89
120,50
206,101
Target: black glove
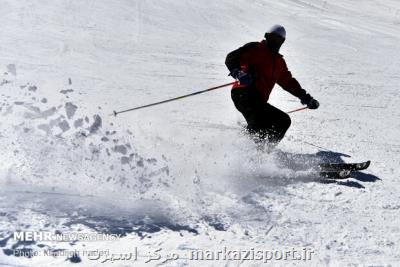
x,y
308,100
242,76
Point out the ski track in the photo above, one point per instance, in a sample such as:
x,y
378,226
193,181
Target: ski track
x,y
183,176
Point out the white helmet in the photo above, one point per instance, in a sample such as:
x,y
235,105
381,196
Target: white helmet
x,y
279,30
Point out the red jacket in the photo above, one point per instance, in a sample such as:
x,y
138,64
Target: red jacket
x,y
265,67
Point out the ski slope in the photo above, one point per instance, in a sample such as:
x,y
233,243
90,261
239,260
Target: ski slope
x,y
182,177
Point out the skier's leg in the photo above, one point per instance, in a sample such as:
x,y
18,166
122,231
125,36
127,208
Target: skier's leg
x,y
276,123
265,123
251,107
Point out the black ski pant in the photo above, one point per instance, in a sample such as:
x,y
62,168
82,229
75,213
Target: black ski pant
x,y
265,123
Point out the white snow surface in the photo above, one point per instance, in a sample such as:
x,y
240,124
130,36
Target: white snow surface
x,y
182,176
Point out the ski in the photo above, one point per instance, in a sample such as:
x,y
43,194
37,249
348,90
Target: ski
x,y
335,174
344,166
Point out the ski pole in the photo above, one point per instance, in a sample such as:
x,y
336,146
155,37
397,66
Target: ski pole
x,y
115,113
295,110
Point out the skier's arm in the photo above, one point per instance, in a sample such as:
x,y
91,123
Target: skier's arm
x,y
239,57
288,83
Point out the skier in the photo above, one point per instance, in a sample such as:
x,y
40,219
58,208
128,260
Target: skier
x,y
257,66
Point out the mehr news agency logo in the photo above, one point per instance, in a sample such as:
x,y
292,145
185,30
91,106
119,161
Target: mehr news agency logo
x,y
63,237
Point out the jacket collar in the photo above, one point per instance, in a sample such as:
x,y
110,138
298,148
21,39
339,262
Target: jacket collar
x,y
264,45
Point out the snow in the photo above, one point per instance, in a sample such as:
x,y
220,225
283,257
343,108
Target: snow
x,y
182,177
